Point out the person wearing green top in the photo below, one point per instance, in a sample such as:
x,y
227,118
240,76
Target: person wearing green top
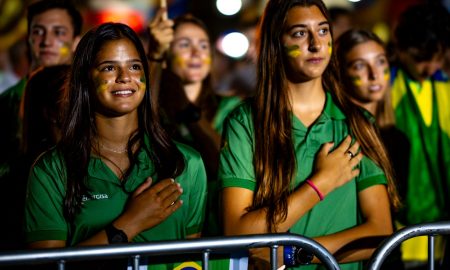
x,y
300,157
115,176
420,98
54,29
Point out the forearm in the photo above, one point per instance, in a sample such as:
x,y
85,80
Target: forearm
x,y
251,222
357,243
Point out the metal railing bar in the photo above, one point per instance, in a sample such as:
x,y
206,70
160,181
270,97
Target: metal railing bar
x,y
136,263
273,257
431,251
205,262
61,265
390,243
213,245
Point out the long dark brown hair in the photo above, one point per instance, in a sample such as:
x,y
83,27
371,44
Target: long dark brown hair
x,y
274,157
384,112
79,127
206,101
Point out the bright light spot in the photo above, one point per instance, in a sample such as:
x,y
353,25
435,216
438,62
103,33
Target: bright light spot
x,y
354,0
229,7
235,45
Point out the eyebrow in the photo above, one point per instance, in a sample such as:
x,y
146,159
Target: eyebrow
x,y
305,26
52,26
189,39
114,62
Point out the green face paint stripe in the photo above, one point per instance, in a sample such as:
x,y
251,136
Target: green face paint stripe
x,y
356,80
293,50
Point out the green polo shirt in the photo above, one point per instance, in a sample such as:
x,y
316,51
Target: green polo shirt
x,y
339,210
44,218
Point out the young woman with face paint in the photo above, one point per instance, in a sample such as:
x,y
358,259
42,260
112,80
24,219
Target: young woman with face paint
x,y
115,176
300,157
187,100
185,95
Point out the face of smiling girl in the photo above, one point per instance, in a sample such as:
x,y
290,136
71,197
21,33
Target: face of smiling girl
x,y
118,78
368,69
307,42
190,53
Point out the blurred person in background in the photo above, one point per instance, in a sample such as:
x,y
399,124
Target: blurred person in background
x,y
54,29
341,20
365,77
420,97
184,93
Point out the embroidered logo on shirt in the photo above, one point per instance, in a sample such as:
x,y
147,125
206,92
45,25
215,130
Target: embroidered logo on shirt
x,y
94,197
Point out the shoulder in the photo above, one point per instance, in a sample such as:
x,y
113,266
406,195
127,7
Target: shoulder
x,y
243,113
15,91
189,153
50,161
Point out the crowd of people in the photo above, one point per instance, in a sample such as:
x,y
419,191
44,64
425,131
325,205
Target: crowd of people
x,y
340,138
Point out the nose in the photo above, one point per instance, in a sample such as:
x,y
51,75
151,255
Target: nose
x,y
123,76
314,44
46,40
373,72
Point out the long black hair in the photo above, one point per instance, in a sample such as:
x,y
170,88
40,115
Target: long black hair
x,y
79,127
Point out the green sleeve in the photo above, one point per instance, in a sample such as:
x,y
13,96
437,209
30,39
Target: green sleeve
x,y
236,156
44,218
370,174
197,194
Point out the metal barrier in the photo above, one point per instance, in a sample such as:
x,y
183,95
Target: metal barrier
x,y
430,229
201,245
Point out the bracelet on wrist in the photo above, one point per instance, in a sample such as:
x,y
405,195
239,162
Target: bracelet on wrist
x,y
311,184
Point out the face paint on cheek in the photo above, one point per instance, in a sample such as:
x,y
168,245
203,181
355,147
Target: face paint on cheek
x,y
207,60
178,61
292,51
143,83
330,47
101,85
356,80
64,49
386,74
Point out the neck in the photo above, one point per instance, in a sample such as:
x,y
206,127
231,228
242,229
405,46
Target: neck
x,y
114,132
307,99
306,94
368,106
192,91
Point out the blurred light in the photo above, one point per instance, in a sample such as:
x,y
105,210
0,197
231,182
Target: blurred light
x,y
132,18
234,45
229,7
354,1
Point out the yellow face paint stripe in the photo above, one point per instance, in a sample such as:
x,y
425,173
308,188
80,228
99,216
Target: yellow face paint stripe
x,y
293,51
356,80
330,47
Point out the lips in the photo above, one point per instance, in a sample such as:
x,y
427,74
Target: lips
x,y
123,93
375,88
315,60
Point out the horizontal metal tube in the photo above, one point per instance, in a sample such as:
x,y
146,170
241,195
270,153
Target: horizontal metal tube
x,y
212,245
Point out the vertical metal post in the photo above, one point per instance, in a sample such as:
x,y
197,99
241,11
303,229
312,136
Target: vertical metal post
x,y
431,251
136,260
205,262
273,257
61,265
